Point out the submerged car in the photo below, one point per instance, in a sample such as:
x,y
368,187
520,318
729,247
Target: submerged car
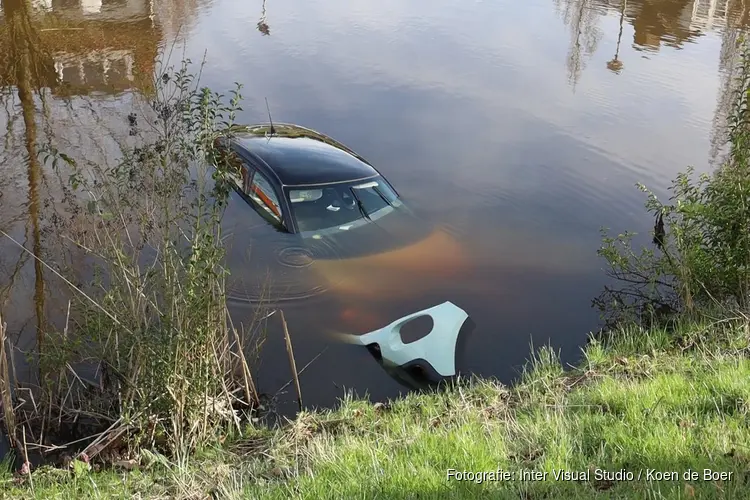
x,y
359,236
306,183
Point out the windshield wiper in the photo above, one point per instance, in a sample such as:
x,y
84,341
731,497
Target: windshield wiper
x,y
382,196
359,204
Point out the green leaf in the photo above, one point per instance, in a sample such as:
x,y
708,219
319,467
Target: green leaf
x,y
80,468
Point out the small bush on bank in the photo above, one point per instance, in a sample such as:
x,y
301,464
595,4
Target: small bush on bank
x,y
701,241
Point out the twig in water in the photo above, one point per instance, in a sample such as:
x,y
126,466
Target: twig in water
x,y
303,369
290,353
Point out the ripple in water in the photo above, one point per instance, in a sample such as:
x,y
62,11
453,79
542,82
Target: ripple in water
x,y
285,274
295,257
275,295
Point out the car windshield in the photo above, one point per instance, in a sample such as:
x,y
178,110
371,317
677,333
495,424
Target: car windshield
x,y
341,206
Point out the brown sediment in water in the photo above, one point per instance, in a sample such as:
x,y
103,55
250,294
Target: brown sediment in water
x,y
407,271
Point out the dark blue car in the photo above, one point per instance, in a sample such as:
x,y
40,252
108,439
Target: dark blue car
x,y
304,182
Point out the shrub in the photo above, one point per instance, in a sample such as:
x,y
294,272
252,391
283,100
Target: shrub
x,y
701,237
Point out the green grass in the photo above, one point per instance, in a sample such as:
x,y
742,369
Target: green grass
x,y
671,401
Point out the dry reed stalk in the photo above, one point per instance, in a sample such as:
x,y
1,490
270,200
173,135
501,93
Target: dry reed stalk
x,y
11,359
6,387
251,392
105,438
61,376
290,353
26,463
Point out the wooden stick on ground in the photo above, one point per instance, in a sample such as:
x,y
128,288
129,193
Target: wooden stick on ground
x,y
292,364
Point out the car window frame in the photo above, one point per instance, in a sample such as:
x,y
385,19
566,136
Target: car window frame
x,y
253,167
246,176
274,208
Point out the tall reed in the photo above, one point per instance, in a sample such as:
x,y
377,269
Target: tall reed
x,y
165,365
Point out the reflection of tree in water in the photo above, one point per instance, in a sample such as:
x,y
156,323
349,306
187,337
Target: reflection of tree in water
x,y
615,65
668,22
26,59
31,66
581,18
262,25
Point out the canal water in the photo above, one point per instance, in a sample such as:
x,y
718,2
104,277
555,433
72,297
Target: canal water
x,y
517,129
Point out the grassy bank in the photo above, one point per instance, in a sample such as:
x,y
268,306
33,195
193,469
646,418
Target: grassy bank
x,y
669,400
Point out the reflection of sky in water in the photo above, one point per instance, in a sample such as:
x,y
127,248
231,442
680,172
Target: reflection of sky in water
x,y
471,107
482,66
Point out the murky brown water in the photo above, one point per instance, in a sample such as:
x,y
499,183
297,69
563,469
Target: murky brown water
x,y
518,128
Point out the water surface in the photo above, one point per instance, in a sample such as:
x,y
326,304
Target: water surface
x,y
517,128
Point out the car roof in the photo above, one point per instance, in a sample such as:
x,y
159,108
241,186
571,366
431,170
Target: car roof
x,y
300,156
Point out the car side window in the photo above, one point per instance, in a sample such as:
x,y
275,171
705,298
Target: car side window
x,y
247,177
261,192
